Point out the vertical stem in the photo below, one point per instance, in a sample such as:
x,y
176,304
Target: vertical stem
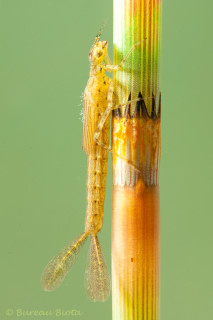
x,y
136,137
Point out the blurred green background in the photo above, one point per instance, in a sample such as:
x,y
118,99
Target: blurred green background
x,y
44,68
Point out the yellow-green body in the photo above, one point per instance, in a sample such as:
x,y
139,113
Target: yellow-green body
x,y
98,105
95,103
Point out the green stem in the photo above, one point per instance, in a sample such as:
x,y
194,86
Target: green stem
x,y
136,137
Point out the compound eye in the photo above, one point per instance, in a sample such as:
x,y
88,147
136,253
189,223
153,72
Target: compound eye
x,y
98,53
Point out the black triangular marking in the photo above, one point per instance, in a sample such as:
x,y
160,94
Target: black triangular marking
x,y
137,110
153,112
144,111
159,108
127,108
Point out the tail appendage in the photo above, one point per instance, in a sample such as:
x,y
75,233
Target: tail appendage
x,y
56,270
97,279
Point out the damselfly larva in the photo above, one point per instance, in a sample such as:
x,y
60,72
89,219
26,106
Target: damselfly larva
x,y
98,104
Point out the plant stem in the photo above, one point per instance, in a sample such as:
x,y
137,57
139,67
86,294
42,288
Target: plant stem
x,y
136,137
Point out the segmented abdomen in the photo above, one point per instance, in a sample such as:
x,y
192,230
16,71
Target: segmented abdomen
x,y
96,186
95,103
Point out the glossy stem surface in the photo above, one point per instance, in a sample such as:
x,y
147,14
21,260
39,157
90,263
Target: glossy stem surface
x,y
136,135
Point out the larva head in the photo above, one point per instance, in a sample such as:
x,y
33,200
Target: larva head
x,y
98,52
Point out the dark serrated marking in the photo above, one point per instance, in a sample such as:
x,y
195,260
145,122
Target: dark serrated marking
x,y
137,111
159,108
127,109
153,111
140,110
144,112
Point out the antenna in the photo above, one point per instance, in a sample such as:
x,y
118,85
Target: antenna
x,y
97,38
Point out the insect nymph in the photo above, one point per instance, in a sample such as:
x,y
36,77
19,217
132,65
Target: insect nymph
x,y
98,104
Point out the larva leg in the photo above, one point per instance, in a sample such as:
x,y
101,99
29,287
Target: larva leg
x,y
110,67
104,117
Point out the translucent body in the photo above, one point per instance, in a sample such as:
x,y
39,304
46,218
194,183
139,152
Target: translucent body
x,y
97,278
95,103
98,104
